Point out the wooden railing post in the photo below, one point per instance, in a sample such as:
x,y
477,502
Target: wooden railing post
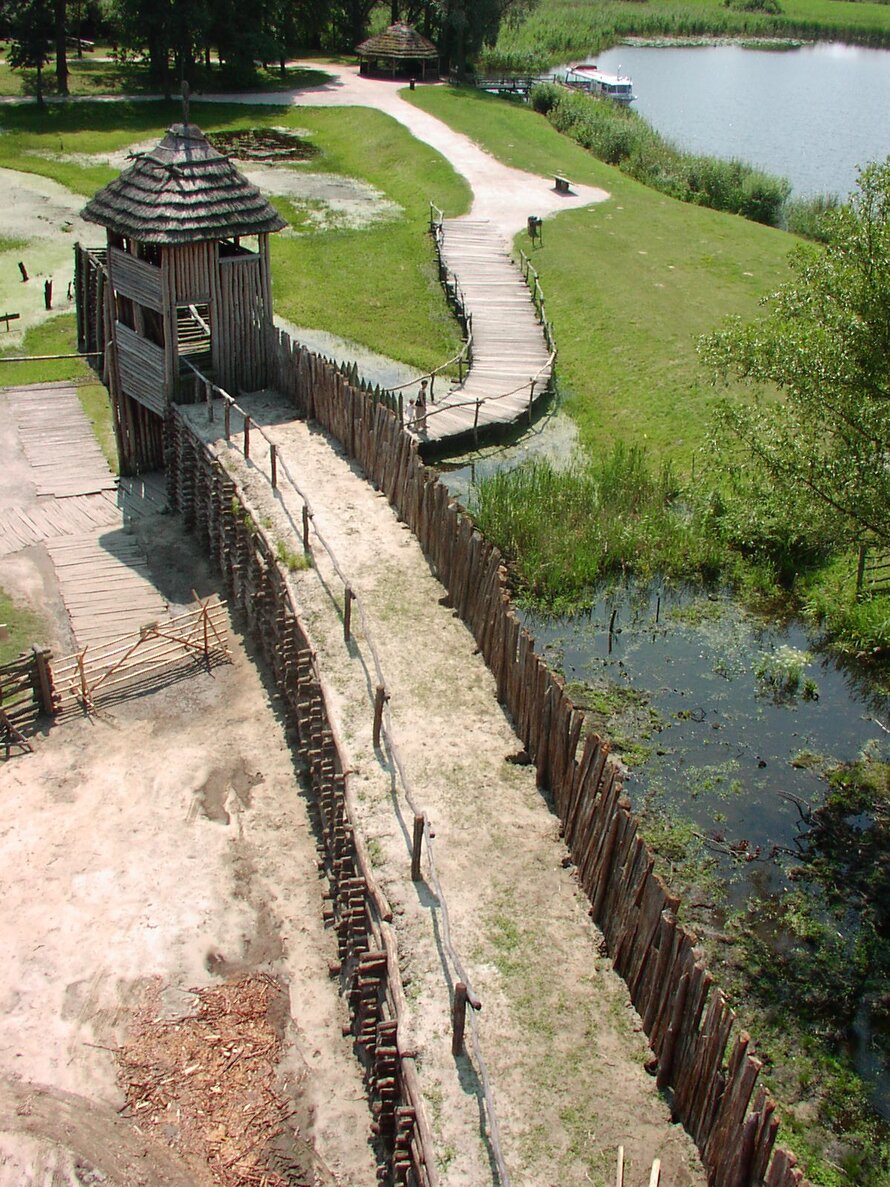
x,y
273,465
458,1018
417,847
227,420
208,400
860,571
305,528
247,436
44,680
347,613
379,701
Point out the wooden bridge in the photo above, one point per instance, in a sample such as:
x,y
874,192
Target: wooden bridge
x,y
509,343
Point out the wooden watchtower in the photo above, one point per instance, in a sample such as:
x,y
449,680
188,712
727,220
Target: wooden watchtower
x,y
186,280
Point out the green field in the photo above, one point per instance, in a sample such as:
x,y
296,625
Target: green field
x,y
558,30
378,286
630,283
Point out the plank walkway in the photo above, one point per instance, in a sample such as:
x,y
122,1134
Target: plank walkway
x,y
58,442
79,514
509,348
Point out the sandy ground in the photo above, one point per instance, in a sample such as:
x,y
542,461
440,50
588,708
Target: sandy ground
x,y
561,1041
164,842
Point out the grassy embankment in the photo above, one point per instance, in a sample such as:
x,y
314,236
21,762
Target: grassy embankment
x,y
630,285
558,30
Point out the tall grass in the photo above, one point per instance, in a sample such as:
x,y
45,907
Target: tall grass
x,y
556,31
622,137
563,531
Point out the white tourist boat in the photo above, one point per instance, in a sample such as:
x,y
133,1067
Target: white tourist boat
x,y
617,87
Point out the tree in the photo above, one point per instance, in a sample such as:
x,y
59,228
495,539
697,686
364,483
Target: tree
x,y
32,26
60,21
823,448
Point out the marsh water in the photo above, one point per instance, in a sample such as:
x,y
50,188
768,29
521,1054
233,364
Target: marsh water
x,y
811,114
686,678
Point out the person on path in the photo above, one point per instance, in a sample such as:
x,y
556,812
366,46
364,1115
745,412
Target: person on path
x,y
411,415
420,407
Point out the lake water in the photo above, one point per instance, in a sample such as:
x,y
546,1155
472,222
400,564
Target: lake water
x,y
812,114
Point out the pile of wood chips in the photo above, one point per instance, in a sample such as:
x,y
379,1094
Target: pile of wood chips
x,y
204,1083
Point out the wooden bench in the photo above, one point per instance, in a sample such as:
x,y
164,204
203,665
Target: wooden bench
x,y
563,185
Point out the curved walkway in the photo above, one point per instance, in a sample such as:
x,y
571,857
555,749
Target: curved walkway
x,y
511,362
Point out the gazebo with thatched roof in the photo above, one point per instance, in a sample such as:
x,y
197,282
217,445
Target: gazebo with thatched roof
x,y
398,50
181,284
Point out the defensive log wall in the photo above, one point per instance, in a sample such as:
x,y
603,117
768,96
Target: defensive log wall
x,y
212,506
704,1062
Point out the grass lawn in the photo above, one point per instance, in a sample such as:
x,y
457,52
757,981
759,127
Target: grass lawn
x,y
557,30
377,286
629,283
24,627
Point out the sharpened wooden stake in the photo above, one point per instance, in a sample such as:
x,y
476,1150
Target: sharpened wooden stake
x,y
379,701
619,1173
458,1018
305,528
44,682
655,1176
416,848
273,463
347,613
247,436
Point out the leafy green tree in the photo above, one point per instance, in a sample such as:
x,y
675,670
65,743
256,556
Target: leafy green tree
x,y
32,28
819,455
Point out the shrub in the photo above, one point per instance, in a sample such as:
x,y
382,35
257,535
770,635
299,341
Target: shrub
x,y
544,96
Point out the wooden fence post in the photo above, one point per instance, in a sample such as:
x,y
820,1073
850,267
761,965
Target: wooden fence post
x,y
347,613
458,1018
379,701
305,528
44,680
860,571
273,463
416,848
208,400
247,436
227,419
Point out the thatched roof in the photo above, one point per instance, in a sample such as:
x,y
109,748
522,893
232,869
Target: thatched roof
x,y
398,41
183,191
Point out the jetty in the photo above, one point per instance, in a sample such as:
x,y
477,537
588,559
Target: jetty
x,y
509,349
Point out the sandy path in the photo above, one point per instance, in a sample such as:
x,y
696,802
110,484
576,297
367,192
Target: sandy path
x,y
561,1041
501,194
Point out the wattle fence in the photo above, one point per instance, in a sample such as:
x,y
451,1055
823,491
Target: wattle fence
x,y
710,1071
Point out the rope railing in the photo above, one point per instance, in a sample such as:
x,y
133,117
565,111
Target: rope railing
x,y
383,726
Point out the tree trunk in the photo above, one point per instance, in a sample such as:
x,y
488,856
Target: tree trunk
x,y
40,86
394,13
61,49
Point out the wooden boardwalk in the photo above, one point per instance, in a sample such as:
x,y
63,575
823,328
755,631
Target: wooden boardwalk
x,y
509,347
58,441
78,513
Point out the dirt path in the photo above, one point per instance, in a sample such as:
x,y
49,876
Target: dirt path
x,y
562,1044
502,195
